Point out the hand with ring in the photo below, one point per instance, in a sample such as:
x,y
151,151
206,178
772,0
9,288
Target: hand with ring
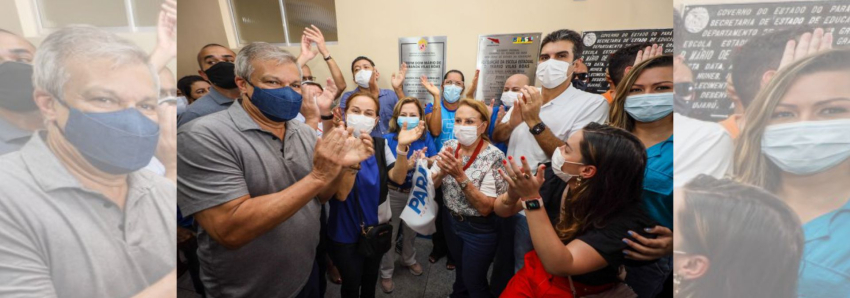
x,y
520,180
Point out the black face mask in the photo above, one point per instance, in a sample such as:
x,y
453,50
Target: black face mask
x,y
222,75
580,85
683,98
16,87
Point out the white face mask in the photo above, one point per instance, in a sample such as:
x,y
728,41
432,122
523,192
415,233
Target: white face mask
x,y
509,98
362,78
552,73
360,122
649,107
466,135
806,148
558,163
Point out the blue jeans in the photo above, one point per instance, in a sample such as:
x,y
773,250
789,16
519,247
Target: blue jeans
x,y
474,245
648,280
522,241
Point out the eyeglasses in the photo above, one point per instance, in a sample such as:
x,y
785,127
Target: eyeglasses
x,y
456,83
684,90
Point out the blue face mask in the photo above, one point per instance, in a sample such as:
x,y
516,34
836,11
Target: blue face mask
x,y
117,142
649,107
279,105
451,93
412,122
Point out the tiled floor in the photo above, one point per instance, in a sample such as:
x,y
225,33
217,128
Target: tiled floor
x,y
435,282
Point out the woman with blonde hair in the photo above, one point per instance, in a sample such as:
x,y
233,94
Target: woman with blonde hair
x,y
467,169
796,145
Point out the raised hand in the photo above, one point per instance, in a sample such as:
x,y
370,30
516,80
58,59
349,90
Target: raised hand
x,y
326,99
309,106
411,162
810,43
166,28
520,181
307,53
166,148
338,118
430,87
357,149
398,80
531,103
471,91
648,53
449,165
407,135
315,35
329,154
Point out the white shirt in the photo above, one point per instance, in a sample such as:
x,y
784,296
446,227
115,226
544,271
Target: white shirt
x,y
701,148
568,113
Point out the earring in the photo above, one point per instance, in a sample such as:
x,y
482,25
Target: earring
x,y
677,282
578,181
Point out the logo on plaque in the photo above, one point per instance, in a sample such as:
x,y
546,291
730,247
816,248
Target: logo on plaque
x,y
423,44
697,19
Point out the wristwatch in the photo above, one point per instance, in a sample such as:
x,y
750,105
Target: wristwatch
x,y
464,183
532,204
328,117
328,58
538,129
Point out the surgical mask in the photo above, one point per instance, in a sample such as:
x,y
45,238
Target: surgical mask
x,y
360,122
649,107
222,75
412,122
552,73
362,78
558,163
806,148
279,105
509,98
451,93
117,142
16,87
466,135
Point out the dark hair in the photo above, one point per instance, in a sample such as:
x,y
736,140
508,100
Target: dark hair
x,y
207,46
361,58
752,239
622,58
566,35
758,55
185,85
620,161
462,79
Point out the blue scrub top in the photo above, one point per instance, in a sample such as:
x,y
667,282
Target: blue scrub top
x,y
428,141
447,131
493,115
825,265
344,220
657,198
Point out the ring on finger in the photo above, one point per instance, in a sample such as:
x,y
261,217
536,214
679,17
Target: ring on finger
x,y
526,176
513,178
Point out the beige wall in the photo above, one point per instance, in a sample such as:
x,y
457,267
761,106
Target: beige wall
x,y
372,27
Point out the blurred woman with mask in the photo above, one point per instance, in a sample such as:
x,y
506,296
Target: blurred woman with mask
x,y
644,107
723,232
582,254
408,112
796,145
467,169
361,196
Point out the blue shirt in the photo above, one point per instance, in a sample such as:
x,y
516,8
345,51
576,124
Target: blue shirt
x,y
447,131
344,219
428,141
12,138
825,264
493,116
657,198
387,99
207,104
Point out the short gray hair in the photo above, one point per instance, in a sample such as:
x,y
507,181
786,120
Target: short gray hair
x,y
261,51
81,42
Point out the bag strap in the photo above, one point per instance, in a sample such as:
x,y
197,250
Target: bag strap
x,y
359,208
572,287
381,158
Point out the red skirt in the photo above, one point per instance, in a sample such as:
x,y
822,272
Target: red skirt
x,y
533,281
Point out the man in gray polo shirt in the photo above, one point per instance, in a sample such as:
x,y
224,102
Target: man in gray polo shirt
x,y
254,178
78,218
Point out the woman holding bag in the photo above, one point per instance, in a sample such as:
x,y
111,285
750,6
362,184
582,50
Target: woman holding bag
x,y
408,112
603,167
355,248
467,170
